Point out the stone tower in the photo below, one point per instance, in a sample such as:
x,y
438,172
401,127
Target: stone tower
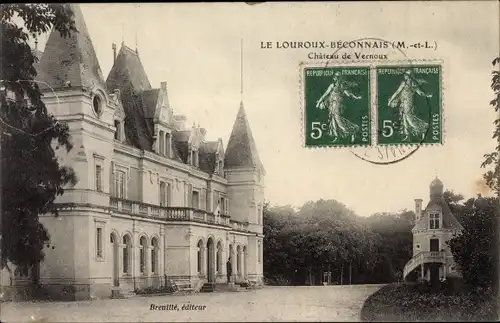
x,y
245,174
74,92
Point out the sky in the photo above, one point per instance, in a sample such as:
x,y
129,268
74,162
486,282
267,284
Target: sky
x,y
195,48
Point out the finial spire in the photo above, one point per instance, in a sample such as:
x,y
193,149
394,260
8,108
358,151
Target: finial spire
x,y
241,70
136,48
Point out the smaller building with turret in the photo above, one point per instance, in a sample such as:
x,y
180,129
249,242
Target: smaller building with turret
x,y
434,226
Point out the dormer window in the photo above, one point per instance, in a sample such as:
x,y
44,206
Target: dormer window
x,y
194,158
118,130
168,145
221,168
433,221
161,144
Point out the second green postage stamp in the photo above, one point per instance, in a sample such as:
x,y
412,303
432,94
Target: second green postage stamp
x,y
409,104
337,106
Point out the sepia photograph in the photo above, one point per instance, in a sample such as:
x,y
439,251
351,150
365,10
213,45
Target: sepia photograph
x,y
250,161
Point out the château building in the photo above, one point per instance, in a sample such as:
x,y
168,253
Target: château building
x,y
154,200
434,226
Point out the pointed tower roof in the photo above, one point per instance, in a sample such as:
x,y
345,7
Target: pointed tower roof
x,y
71,59
241,150
128,70
128,76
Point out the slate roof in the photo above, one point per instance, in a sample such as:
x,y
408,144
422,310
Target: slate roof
x,y
128,75
241,150
70,59
149,100
128,69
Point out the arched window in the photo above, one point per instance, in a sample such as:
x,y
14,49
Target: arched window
x,y
142,254
154,256
238,259
219,257
126,254
200,251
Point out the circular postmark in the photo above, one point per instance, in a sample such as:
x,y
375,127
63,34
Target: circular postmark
x,y
349,53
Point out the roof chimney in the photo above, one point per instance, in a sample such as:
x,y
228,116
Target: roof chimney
x,y
114,52
418,208
163,86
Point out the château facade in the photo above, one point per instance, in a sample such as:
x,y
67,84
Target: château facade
x,y
154,200
434,227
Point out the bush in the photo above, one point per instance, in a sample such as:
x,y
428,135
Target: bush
x,y
414,302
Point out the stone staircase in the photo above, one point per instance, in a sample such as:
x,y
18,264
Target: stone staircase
x,y
117,293
208,288
221,287
422,258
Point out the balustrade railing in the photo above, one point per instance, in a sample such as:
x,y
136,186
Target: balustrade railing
x,y
167,213
421,258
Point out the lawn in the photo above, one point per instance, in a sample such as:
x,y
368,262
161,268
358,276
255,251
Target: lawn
x,y
411,302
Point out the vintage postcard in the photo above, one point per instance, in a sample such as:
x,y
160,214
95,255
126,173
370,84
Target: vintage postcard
x,y
250,162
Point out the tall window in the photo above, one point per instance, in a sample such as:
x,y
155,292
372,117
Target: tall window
x,y
142,255
163,194
154,255
118,130
169,194
219,257
99,242
120,184
168,144
259,216
434,221
222,203
200,250
238,259
98,178
161,144
220,166
126,254
196,200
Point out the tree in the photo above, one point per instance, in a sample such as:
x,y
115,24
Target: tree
x,y
475,249
31,174
491,159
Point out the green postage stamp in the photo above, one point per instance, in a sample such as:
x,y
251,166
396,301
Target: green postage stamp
x,y
406,101
409,104
337,106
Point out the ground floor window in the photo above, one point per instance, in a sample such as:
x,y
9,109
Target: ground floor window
x,y
154,255
199,258
126,254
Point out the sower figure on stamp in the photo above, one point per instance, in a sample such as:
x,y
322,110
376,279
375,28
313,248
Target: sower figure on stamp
x,y
332,99
403,100
229,270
